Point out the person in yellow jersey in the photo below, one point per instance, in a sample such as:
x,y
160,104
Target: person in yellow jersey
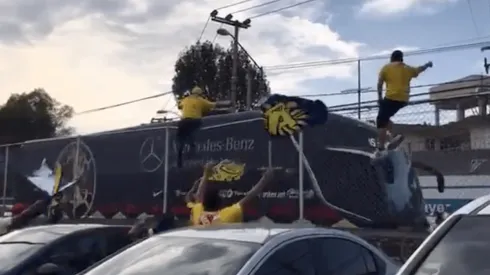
x,y
209,208
397,76
193,107
191,199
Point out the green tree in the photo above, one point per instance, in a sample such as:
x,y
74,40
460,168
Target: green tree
x,y
33,115
210,66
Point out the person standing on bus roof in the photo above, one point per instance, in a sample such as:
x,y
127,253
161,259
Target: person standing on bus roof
x,y
194,107
397,76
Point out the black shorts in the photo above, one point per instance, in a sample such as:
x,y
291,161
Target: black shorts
x,y
187,127
387,109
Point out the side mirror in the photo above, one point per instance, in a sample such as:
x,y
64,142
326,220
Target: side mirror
x,y
50,269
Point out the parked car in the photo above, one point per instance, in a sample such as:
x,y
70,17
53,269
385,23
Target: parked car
x,y
460,245
67,248
249,249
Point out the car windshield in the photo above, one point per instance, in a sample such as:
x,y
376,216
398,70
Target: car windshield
x,y
178,256
463,250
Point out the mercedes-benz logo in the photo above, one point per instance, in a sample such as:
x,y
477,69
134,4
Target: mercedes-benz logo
x,y
150,157
78,163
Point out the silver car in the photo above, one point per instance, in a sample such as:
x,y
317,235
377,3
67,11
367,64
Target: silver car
x,y
250,249
459,246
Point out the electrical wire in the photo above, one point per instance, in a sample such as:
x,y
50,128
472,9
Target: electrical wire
x,y
220,8
122,104
234,4
281,9
472,14
313,64
257,6
204,29
365,91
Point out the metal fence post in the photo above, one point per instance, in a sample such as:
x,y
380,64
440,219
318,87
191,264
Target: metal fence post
x,y
165,177
75,161
301,178
359,89
5,179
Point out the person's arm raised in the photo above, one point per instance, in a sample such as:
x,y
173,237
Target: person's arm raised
x,y
421,69
208,169
188,197
257,189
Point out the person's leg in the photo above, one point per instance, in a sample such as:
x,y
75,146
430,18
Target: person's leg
x,y
396,140
193,128
382,122
182,133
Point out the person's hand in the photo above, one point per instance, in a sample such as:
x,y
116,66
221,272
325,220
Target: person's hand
x,y
208,167
429,64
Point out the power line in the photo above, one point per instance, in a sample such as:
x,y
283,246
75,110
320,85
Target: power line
x,y
122,104
365,91
281,9
472,14
257,6
204,28
220,8
234,4
376,57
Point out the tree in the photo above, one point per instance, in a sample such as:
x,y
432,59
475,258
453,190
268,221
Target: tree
x,y
33,115
210,67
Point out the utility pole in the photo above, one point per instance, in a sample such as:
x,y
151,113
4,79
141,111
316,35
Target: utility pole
x,y
486,65
237,25
249,88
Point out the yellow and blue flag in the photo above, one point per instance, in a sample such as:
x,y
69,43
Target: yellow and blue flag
x,y
286,115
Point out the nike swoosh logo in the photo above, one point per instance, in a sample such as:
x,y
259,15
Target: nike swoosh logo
x,y
157,193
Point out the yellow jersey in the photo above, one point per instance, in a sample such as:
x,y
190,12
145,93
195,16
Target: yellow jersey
x,y
195,106
397,76
230,214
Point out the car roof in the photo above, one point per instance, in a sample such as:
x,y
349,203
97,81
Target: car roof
x,y
250,232
479,206
63,228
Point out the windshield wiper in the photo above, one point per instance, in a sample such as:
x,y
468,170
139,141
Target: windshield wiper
x,y
21,242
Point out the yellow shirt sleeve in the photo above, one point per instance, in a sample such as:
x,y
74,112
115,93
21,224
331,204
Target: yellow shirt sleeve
x,y
231,214
207,105
412,71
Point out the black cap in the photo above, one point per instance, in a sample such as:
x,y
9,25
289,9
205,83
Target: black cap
x,y
397,56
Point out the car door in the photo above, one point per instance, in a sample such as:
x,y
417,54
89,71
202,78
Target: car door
x,y
325,256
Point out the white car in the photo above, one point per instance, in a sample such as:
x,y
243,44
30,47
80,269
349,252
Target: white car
x,y
250,249
459,246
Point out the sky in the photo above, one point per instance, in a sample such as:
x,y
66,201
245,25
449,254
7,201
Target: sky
x,y
95,53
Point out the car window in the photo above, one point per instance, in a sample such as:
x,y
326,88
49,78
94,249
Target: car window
x,y
463,250
335,256
178,256
292,258
78,251
14,253
114,239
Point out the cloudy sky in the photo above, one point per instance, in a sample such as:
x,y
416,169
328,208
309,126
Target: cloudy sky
x,y
94,53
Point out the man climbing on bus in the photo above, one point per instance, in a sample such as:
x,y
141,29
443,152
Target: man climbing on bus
x,y
194,107
209,208
397,76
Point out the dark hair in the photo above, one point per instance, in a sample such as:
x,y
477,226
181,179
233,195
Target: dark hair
x,y
397,56
211,200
